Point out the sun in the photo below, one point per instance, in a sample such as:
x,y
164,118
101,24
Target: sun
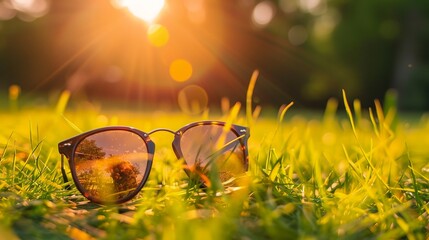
x,y
147,10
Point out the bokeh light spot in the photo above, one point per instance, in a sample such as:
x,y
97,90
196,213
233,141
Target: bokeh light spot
x,y
288,6
14,91
263,13
6,12
35,8
297,35
102,119
180,70
326,24
147,10
158,35
193,99
315,7
196,10
113,74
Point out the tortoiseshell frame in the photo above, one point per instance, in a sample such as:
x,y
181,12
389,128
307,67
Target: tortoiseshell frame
x,y
68,147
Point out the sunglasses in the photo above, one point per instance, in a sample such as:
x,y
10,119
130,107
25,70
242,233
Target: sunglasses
x,y
112,164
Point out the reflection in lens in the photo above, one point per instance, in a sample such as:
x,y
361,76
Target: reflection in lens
x,y
110,165
211,147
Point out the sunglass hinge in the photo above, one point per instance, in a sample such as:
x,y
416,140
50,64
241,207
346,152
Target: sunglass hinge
x,y
65,145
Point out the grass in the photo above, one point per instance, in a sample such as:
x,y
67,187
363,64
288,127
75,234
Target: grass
x,y
353,174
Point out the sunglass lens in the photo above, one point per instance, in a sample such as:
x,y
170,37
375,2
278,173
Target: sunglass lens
x,y
213,147
110,165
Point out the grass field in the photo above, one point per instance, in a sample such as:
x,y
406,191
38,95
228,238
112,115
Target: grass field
x,y
348,173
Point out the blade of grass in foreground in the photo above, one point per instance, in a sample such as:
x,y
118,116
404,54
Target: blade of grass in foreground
x,y
364,154
349,113
249,98
62,102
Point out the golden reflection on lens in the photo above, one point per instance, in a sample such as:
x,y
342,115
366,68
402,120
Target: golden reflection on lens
x,y
193,99
158,35
212,148
180,70
110,165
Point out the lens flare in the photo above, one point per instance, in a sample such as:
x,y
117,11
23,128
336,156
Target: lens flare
x,y
193,100
158,35
14,92
297,35
180,70
263,13
32,9
147,10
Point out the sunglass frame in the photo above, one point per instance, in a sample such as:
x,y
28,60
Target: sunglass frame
x,y
68,147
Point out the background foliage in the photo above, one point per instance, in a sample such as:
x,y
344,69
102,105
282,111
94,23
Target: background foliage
x,y
306,52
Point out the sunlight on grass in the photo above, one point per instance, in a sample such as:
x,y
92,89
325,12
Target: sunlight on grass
x,y
352,174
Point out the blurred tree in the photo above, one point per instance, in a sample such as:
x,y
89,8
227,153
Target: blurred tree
x,y
366,39
365,47
411,79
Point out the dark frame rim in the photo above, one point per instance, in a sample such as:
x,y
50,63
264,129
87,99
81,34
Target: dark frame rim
x,y
74,143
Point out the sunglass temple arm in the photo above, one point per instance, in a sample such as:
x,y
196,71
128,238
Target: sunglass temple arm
x,y
63,171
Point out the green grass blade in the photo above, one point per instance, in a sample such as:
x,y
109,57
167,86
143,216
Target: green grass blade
x,y
283,110
275,171
62,102
249,98
349,113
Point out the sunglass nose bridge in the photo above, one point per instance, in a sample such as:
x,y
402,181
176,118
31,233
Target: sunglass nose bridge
x,y
162,130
